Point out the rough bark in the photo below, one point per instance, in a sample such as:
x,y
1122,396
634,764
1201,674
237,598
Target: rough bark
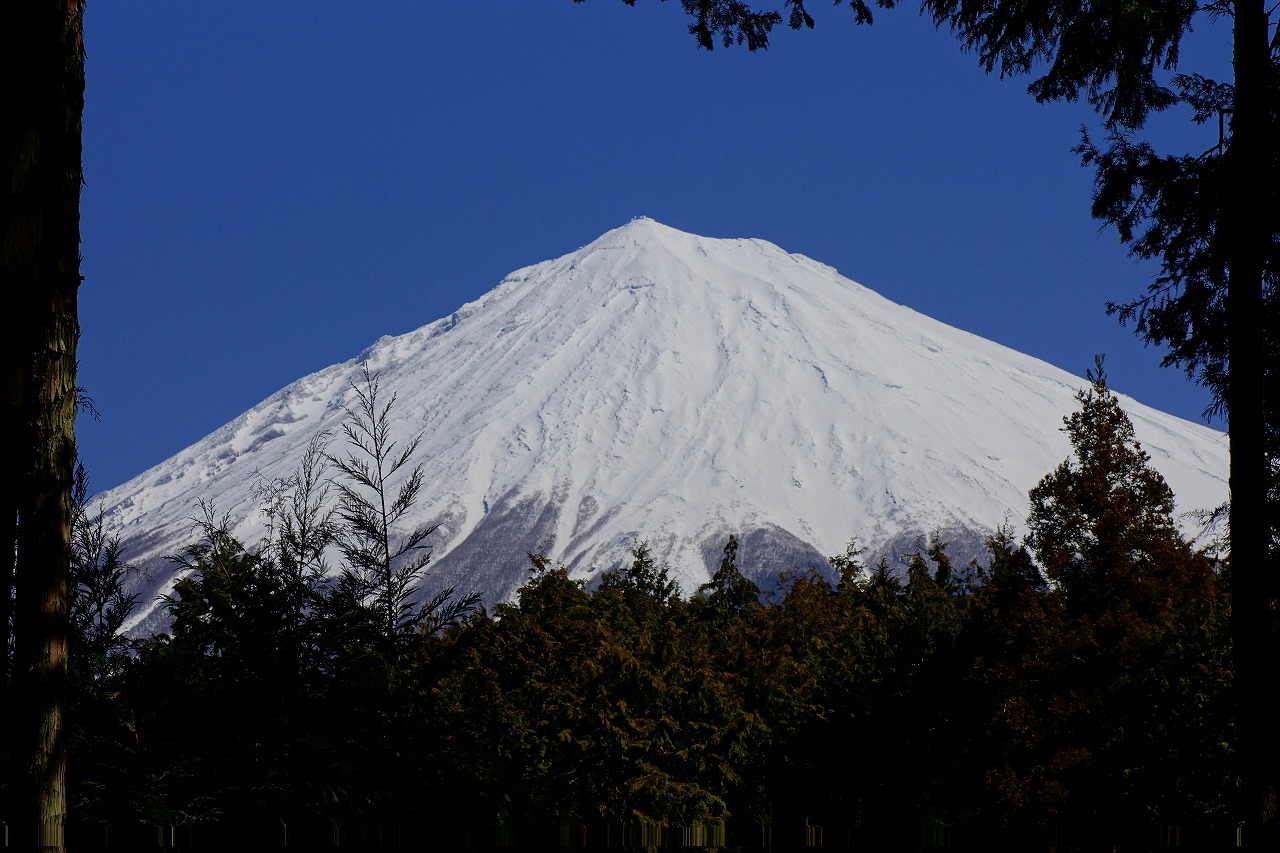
x,y
40,138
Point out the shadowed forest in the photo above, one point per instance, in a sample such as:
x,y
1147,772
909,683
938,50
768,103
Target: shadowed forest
x,y
1070,692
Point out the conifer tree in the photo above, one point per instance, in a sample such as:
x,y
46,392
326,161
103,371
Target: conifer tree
x,y
1014,632
301,529
644,577
1105,512
374,637
231,649
97,601
300,522
99,653
848,566
730,593
382,564
1131,727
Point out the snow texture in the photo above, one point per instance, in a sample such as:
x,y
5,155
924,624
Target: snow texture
x,y
663,386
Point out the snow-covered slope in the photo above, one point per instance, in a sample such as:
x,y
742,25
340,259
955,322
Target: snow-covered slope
x,y
660,385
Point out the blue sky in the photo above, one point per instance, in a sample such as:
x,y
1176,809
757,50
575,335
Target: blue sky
x,y
272,187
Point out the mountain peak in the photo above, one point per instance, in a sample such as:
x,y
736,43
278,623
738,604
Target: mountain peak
x,y
645,234
657,385
641,228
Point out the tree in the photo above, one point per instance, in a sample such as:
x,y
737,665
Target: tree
x,y
1015,626
40,272
97,603
645,586
245,668
230,650
382,564
1105,513
98,654
1212,221
730,593
1132,726
300,531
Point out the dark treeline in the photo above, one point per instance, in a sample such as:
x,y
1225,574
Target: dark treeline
x,y
1070,692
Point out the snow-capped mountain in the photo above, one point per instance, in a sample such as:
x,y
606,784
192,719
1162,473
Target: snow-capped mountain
x,y
663,386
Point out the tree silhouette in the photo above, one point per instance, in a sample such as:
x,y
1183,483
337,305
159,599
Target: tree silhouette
x,y
42,44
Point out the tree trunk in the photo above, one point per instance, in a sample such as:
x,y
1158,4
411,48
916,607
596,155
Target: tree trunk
x,y
1252,575
40,228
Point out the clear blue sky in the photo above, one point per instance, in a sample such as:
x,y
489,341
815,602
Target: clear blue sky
x,y
272,187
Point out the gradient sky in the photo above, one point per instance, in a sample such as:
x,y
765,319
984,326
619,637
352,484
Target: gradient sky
x,y
272,187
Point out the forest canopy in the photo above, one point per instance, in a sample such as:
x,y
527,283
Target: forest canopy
x,y
1073,686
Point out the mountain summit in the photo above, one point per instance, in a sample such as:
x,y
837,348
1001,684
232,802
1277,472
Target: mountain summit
x,y
663,386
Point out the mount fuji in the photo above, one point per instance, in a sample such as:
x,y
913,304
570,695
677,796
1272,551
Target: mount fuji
x,y
656,385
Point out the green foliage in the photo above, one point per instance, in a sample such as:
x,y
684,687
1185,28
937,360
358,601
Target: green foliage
x,y
1111,54
228,603
223,656
1166,208
1209,218
284,665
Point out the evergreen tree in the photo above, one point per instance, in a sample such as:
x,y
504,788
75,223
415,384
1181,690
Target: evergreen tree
x,y
301,528
730,593
99,653
635,599
97,601
1130,727
644,578
382,565
1015,627
230,671
375,644
848,566
1105,513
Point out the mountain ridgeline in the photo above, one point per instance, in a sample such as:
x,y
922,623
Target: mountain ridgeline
x,y
663,387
